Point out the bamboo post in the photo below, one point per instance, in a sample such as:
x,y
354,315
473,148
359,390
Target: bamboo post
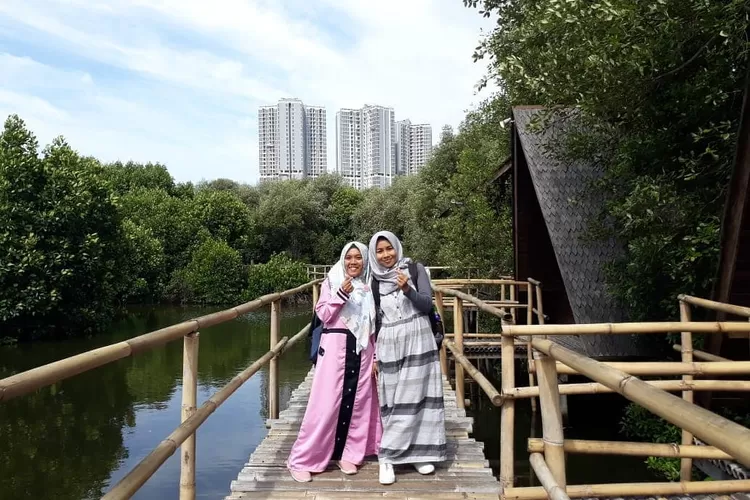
x,y
502,292
513,299
542,471
686,464
552,426
315,294
507,412
458,332
189,403
539,306
443,353
529,321
273,366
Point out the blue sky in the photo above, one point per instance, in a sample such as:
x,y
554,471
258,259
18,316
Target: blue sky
x,y
180,81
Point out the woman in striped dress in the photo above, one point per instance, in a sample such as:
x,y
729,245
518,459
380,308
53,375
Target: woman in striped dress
x,y
409,379
341,422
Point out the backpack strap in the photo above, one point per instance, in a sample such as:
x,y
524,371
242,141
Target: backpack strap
x,y
375,290
414,273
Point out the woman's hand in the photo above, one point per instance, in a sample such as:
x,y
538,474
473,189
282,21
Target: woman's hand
x,y
347,285
375,368
402,281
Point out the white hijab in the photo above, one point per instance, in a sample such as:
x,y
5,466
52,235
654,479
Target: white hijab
x,y
358,314
387,276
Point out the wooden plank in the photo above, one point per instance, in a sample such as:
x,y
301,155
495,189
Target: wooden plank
x,y
465,474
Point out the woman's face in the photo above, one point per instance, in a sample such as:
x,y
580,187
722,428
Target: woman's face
x,y
353,262
385,253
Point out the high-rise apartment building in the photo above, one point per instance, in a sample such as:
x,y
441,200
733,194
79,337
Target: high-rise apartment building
x,y
403,146
378,142
413,147
317,138
291,140
365,146
420,147
372,148
349,146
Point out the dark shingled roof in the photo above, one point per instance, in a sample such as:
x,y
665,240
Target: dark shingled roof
x,y
568,204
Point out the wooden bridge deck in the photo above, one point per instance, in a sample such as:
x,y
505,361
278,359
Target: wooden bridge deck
x,y
466,473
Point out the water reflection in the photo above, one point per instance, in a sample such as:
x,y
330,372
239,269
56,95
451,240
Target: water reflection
x,y
75,439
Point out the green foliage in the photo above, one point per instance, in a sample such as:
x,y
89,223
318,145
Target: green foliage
x,y
150,239
280,273
658,86
170,219
224,215
130,176
143,261
641,424
60,238
214,275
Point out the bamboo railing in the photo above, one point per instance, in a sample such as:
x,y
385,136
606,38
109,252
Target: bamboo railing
x,y
191,417
688,353
726,440
460,301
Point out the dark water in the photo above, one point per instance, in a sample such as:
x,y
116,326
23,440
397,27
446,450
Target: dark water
x,y
79,437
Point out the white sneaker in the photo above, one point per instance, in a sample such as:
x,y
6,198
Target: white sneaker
x,y
387,476
424,468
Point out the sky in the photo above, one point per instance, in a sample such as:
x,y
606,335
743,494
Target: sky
x,y
180,81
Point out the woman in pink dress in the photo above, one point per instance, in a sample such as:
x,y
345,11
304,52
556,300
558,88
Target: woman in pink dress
x,y
342,420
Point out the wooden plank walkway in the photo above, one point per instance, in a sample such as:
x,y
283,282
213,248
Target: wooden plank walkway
x,y
466,473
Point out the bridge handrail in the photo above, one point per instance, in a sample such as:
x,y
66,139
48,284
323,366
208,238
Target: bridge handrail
x,y
714,429
728,439
715,306
146,468
51,373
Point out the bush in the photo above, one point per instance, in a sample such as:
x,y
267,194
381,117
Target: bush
x,y
280,273
215,275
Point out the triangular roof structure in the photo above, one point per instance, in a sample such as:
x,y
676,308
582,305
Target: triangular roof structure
x,y
569,203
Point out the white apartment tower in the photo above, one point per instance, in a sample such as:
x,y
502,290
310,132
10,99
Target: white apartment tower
x,y
291,140
378,144
413,147
349,146
365,146
403,146
420,147
317,157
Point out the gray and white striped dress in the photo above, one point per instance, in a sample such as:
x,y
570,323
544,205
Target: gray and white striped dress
x,y
410,381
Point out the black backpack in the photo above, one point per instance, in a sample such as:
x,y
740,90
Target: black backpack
x,y
316,330
436,322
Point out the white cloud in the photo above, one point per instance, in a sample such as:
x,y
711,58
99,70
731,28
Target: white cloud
x,y
195,71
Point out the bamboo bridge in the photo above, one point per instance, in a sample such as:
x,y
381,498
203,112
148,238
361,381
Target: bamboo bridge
x,y
524,333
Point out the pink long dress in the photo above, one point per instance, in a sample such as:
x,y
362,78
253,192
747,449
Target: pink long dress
x,y
342,420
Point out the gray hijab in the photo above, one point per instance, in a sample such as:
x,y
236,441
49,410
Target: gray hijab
x,y
387,276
